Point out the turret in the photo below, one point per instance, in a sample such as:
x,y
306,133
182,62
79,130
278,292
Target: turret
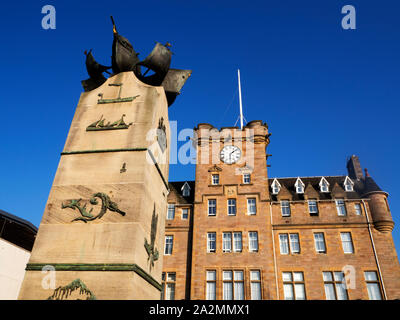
x,y
378,205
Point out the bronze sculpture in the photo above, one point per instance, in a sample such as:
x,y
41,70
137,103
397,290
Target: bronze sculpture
x,y
125,59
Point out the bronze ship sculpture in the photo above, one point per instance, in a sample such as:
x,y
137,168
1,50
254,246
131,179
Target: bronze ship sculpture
x,y
125,59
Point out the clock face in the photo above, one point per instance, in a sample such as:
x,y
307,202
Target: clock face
x,y
230,154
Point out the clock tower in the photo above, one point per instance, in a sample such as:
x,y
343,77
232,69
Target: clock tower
x,y
231,221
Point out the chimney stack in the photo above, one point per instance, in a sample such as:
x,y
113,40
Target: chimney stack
x,y
354,168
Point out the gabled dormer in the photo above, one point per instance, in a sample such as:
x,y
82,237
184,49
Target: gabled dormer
x,y
275,186
299,186
323,185
348,184
185,189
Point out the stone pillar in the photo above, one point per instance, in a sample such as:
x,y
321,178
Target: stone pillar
x,y
102,231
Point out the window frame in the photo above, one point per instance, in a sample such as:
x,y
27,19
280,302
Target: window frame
x,y
171,206
169,236
214,207
249,206
183,214
341,206
234,242
285,207
335,283
211,281
165,282
209,241
213,182
230,206
310,205
246,181
293,283
257,281
321,241
224,250
376,282
250,241
348,242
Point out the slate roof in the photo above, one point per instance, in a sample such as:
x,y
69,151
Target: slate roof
x,y
177,186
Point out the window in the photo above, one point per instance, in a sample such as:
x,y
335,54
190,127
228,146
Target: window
x,y
246,178
313,207
226,242
171,212
275,186
186,190
340,207
289,243
215,179
253,241
284,243
285,208
324,185
211,241
231,207
233,287
251,206
358,209
348,184
373,287
255,285
237,242
168,245
168,286
212,207
211,287
227,285
319,241
185,213
347,242
299,185
293,286
334,284
294,243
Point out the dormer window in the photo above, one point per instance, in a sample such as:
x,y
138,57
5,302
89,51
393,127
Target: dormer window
x,y
348,185
275,186
324,185
299,185
186,190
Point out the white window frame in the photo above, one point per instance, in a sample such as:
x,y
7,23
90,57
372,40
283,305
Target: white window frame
x,y
284,243
324,184
215,179
285,206
373,285
211,282
246,178
295,281
185,190
253,241
226,242
183,213
311,204
347,242
299,186
255,285
250,205
237,241
168,244
231,205
210,240
275,186
341,207
214,206
348,184
171,208
358,209
319,241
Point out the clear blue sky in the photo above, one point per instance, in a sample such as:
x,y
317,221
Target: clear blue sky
x,y
325,92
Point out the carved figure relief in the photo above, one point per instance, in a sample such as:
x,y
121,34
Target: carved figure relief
x,y
150,247
106,204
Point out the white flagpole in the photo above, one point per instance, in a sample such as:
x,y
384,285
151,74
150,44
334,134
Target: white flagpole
x,y
240,101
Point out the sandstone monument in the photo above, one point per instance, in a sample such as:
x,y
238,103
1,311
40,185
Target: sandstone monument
x,y
102,232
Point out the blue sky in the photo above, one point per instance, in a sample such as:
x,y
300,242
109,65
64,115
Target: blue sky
x,y
325,92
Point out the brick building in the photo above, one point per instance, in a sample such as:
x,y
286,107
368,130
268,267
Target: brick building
x,y
235,233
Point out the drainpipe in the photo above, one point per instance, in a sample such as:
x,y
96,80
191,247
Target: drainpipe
x,y
273,247
373,248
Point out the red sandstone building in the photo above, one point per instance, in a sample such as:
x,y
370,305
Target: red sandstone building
x,y
235,233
